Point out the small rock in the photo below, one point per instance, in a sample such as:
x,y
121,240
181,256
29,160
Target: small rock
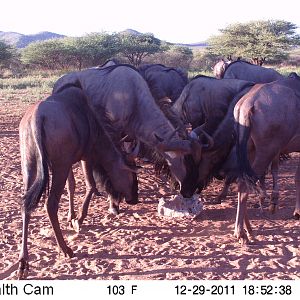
x,y
178,207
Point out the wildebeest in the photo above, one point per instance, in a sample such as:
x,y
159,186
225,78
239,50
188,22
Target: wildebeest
x,y
164,81
121,95
267,120
204,101
220,67
240,69
55,134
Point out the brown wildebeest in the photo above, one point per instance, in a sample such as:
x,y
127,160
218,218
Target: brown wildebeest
x,y
240,69
268,121
220,67
55,134
120,94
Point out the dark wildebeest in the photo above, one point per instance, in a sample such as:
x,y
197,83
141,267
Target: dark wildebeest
x,y
267,120
240,69
121,95
204,101
55,134
164,81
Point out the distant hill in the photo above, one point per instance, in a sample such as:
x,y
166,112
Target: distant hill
x,y
194,45
130,31
22,40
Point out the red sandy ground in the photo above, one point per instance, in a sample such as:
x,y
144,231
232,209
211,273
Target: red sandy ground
x,y
138,244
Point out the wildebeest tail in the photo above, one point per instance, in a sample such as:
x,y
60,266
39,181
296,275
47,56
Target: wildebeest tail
x,y
243,130
38,167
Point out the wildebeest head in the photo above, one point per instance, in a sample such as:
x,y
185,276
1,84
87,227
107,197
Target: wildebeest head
x,y
220,67
120,182
182,157
125,182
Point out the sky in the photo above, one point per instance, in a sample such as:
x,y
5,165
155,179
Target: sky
x,y
184,21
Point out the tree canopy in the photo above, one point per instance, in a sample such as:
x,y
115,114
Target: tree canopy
x,y
258,41
90,50
135,47
6,53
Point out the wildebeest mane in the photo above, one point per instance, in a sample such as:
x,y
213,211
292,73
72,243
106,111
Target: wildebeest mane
x,y
142,69
103,128
147,66
74,84
115,61
203,76
113,67
235,62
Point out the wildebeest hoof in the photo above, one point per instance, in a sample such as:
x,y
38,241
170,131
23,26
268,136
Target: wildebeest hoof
x,y
70,218
69,252
75,225
241,237
114,211
97,193
23,269
296,215
272,208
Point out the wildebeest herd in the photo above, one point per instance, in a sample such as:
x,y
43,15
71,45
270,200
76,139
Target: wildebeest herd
x,y
233,127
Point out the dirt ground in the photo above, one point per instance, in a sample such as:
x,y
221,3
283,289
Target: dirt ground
x,y
139,244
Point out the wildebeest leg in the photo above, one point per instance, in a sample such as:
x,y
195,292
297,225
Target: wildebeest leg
x,y
23,257
224,192
260,166
71,185
247,223
297,182
262,191
241,214
90,190
275,190
59,177
113,205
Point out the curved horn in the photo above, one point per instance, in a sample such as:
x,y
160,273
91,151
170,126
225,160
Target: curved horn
x,y
197,131
123,139
209,139
136,149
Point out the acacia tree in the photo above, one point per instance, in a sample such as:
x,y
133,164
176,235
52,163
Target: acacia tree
x,y
135,47
48,54
258,41
6,53
173,56
90,50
